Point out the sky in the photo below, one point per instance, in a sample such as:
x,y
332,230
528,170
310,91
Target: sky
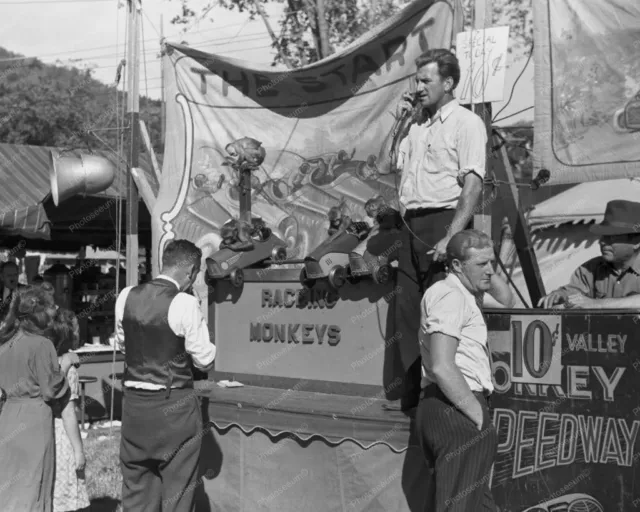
x,y
92,33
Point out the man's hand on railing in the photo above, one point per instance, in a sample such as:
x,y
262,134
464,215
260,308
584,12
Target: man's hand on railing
x,y
554,298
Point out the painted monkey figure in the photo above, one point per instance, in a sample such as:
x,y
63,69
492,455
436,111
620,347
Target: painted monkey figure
x,y
201,182
245,154
378,209
338,221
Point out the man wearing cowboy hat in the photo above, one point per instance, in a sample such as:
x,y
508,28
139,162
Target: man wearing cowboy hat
x,y
610,281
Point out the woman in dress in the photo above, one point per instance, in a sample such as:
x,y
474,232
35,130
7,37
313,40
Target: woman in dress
x,y
69,488
33,381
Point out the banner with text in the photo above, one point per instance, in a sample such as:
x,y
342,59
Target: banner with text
x,y
587,100
322,127
566,411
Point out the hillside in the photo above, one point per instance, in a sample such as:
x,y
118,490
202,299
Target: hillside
x,y
48,105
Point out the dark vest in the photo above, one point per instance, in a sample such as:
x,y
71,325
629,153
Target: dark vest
x,y
153,353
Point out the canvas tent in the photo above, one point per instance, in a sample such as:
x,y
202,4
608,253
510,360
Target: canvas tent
x,y
560,229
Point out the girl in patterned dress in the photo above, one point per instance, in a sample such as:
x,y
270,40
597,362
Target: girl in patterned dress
x,y
69,490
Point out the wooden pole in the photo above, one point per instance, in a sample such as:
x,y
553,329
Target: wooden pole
x,y
152,154
517,223
162,105
483,15
133,113
323,29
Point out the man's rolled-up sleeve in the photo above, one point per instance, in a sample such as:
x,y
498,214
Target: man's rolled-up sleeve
x,y
185,319
472,148
443,312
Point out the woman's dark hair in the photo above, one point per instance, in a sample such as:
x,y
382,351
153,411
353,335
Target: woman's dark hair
x,y
31,311
63,332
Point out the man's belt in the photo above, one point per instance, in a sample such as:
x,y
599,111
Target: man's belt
x,y
432,390
421,212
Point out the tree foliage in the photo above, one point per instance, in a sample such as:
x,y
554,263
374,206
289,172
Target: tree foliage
x,y
47,105
300,37
517,14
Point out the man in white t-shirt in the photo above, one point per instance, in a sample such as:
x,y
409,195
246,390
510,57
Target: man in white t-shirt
x,y
453,420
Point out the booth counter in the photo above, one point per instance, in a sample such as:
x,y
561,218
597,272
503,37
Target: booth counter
x,y
313,427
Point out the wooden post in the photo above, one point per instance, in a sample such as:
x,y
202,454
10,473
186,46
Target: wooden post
x,y
323,29
152,154
162,99
517,222
483,18
133,114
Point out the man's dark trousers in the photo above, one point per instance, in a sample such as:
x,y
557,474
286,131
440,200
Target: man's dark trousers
x,y
160,450
416,273
458,455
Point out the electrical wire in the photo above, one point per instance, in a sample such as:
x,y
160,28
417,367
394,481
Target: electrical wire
x,y
513,87
119,144
513,115
51,2
75,52
144,60
234,40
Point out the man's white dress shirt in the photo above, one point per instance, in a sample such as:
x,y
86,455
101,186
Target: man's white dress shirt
x,y
436,156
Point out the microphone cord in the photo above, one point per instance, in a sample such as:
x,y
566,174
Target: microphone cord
x,y
392,153
395,146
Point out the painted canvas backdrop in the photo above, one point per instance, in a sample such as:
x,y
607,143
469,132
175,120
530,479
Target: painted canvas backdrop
x,y
587,76
322,126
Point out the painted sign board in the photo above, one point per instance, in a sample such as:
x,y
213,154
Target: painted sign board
x,y
483,64
567,411
280,329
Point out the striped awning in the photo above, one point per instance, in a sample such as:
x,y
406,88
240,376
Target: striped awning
x,y
582,204
24,174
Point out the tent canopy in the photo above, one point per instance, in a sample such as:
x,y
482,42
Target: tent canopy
x,y
560,230
583,203
27,210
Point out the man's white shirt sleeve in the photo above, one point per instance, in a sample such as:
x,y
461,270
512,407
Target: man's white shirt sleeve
x,y
443,312
120,302
185,319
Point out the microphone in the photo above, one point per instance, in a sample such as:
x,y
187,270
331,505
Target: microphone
x,y
414,103
400,130
541,178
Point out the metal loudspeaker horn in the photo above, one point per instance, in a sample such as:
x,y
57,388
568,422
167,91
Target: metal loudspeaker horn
x,y
84,174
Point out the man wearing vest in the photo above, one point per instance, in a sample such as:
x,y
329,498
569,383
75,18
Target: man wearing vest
x,y
163,334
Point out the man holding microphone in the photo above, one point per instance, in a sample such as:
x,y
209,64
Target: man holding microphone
x,y
442,162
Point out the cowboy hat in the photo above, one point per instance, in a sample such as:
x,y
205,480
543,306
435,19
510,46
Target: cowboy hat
x,y
620,218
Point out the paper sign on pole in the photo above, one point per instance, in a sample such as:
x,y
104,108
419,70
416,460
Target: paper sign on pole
x,y
483,57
